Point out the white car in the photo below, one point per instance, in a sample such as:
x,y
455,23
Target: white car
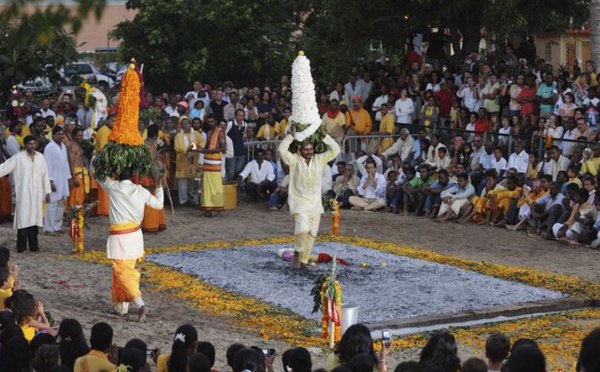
x,y
88,71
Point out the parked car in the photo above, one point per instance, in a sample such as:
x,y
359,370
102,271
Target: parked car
x,y
75,72
38,85
114,71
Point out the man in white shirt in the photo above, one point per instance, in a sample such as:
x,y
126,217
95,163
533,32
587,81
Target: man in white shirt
x,y
171,109
519,159
383,98
59,172
46,110
32,187
262,177
570,135
498,163
371,190
352,87
558,163
456,197
366,85
403,146
125,245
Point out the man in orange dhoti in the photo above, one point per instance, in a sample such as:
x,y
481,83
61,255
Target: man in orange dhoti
x,y
154,219
212,182
102,139
125,245
81,180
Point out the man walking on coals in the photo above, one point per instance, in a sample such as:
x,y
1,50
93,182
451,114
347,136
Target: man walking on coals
x,y
304,200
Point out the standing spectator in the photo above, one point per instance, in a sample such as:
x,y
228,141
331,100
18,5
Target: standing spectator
x,y
352,88
334,122
236,132
491,95
527,97
360,120
57,160
404,109
217,106
32,186
187,145
233,105
212,184
546,95
430,114
383,98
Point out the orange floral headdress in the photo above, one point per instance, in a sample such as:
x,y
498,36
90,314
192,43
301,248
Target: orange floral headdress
x,y
125,130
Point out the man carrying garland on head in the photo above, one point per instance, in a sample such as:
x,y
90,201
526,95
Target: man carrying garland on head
x,y
125,245
304,200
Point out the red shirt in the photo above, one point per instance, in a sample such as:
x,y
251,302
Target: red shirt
x,y
483,125
444,97
528,108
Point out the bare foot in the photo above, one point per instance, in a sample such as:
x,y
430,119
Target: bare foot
x,y
305,267
482,223
296,260
142,313
512,227
462,221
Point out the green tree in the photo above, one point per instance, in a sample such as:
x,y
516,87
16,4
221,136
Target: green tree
x,y
338,33
178,41
34,42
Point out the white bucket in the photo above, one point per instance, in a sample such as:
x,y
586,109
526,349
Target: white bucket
x,y
349,316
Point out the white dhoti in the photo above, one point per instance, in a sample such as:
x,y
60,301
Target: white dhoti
x,y
455,206
306,228
557,226
524,212
53,219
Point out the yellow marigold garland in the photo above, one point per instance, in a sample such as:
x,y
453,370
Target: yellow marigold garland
x,y
126,130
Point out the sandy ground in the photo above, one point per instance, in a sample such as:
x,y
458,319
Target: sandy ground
x,y
73,289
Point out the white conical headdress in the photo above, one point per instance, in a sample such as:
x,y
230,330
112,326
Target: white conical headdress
x,y
304,102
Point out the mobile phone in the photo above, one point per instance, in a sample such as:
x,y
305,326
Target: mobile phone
x,y
386,335
269,351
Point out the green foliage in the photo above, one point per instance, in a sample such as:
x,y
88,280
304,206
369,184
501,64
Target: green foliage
x,y
115,157
182,40
316,139
35,43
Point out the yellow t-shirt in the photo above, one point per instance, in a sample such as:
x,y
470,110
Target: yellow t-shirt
x,y
28,332
266,132
4,294
161,363
94,361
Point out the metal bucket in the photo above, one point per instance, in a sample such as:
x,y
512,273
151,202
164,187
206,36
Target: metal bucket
x,y
349,316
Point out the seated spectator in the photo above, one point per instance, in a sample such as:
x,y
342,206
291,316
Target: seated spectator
x,y
371,190
559,162
519,159
345,186
525,358
498,162
15,355
410,196
230,353
497,347
526,201
262,177
300,360
433,198
6,261
476,210
546,211
133,359
589,358
326,180
97,360
441,161
278,198
583,213
207,349
72,344
455,197
199,363
363,362
356,340
249,359
392,192
361,162
267,131
184,346
5,287
29,314
506,200
572,174
440,352
410,366
474,365
403,147
47,359
497,202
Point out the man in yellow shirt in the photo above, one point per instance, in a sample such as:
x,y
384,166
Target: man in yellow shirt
x,y
334,121
101,140
97,360
387,127
282,128
360,120
591,160
267,131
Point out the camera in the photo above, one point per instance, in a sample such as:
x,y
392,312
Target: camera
x,y
386,335
151,351
269,351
